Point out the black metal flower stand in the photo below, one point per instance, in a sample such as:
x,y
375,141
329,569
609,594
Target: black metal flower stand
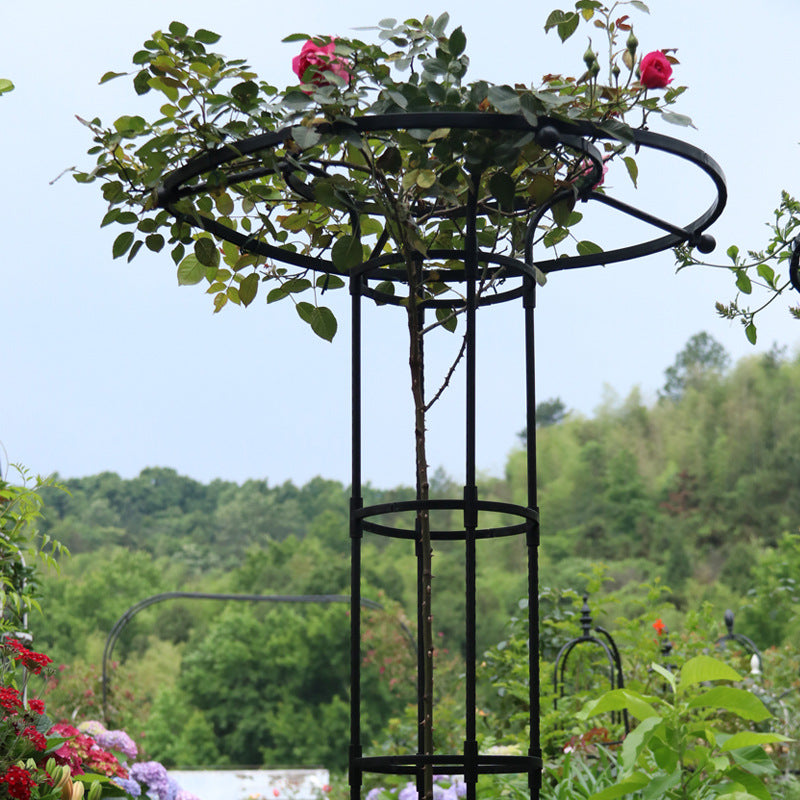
x,y
514,278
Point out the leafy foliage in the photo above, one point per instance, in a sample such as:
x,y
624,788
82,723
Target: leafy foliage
x,y
321,189
756,274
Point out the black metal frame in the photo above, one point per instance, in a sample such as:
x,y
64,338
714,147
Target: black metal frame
x,y
609,648
130,613
518,273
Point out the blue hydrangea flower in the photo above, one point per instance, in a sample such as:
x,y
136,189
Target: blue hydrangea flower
x,y
119,741
154,776
408,792
129,786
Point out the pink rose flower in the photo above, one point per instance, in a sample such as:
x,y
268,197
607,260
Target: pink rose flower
x,y
655,70
319,59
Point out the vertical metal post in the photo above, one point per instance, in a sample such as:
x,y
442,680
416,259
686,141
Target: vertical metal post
x,y
470,490
356,502
532,537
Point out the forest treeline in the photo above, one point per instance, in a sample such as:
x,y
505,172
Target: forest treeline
x,y
695,491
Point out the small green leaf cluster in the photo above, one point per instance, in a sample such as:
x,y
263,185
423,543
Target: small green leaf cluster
x,y
22,544
682,746
756,272
325,192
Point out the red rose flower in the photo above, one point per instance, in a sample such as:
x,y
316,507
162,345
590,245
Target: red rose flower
x,y
316,60
655,70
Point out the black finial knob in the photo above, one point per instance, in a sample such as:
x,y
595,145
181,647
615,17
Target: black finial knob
x,y
548,136
729,621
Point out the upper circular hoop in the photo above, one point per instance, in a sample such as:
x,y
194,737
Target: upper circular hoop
x,y
577,136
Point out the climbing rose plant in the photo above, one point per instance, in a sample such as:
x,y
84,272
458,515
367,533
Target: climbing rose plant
x,y
363,194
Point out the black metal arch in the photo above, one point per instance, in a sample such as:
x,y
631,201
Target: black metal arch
x,y
120,624
609,648
748,643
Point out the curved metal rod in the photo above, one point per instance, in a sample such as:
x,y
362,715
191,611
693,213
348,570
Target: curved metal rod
x,y
118,626
550,133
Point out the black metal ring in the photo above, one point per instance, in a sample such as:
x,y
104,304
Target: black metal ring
x,y
363,514
577,136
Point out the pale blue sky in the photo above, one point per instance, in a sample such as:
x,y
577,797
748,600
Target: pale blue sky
x,y
112,366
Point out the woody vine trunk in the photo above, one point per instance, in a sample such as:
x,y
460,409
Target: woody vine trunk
x,y
423,526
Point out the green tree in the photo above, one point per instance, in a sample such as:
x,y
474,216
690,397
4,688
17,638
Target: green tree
x,y
273,684
702,357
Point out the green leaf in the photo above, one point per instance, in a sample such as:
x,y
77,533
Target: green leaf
x,y
751,333
640,5
562,210
751,738
753,786
108,76
326,282
628,785
737,701
743,282
224,203
206,251
677,119
154,242
504,99
426,178
137,246
633,169
5,85
305,137
205,36
660,785
617,700
753,759
346,253
121,244
384,287
733,253
587,248
705,668
190,271
666,675
248,288
636,739
321,319
502,186
457,42
447,318
767,273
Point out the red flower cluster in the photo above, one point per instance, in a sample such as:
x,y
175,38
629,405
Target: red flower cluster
x,y
660,627
19,782
10,698
36,705
36,738
35,662
81,752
